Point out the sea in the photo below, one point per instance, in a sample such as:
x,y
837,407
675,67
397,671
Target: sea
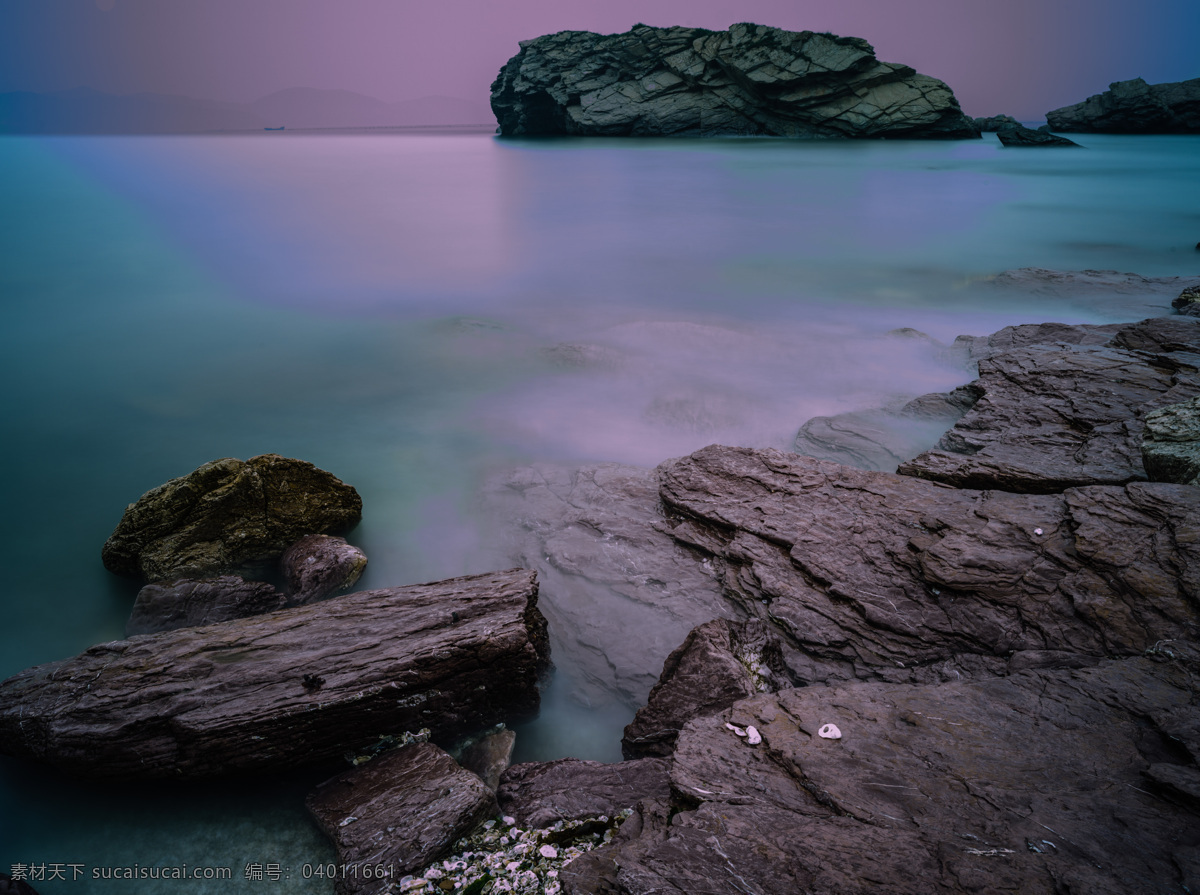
x,y
395,307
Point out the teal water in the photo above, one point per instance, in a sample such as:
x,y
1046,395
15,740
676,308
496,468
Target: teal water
x,y
382,306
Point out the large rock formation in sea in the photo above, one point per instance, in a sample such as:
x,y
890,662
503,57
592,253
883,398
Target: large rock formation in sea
x,y
295,687
1134,107
749,80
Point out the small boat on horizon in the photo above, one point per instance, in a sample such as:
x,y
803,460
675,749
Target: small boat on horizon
x,y
272,128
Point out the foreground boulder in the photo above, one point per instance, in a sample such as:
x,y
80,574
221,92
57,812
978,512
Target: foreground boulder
x,y
749,80
189,602
1049,417
1134,107
397,813
1042,782
295,687
879,576
226,514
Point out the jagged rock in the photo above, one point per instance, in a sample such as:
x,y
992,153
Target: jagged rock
x,y
397,813
295,687
538,794
1171,443
1026,136
1134,107
188,602
319,565
880,576
748,80
226,514
1033,783
719,663
1051,417
487,755
995,123
620,594
880,439
977,348
1188,301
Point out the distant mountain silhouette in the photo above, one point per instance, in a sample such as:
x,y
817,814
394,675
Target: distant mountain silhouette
x,y
87,111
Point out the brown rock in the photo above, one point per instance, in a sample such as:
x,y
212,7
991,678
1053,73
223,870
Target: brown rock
x,y
487,755
538,794
319,565
188,602
226,514
397,813
719,663
295,687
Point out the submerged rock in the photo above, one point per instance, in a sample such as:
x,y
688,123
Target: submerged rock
x,y
1040,782
1171,443
290,688
719,663
397,813
620,593
226,514
188,602
1051,417
487,755
1017,135
1134,107
319,565
749,80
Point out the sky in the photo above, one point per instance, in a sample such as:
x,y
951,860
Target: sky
x,y
1018,57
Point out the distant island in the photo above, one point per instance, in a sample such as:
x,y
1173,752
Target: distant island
x,y
87,111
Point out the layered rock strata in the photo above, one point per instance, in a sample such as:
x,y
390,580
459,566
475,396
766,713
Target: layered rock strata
x,y
1050,417
226,514
1134,107
749,80
889,577
1171,443
540,794
295,687
397,813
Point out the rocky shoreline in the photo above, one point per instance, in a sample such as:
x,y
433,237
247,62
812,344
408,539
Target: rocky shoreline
x,y
967,667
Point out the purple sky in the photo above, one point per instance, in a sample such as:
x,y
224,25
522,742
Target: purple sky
x,y
1022,57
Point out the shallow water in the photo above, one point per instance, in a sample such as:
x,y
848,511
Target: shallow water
x,y
414,313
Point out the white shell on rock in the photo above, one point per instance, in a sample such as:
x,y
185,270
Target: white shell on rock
x,y
548,851
753,737
830,732
735,729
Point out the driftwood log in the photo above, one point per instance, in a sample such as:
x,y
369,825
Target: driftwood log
x,y
288,688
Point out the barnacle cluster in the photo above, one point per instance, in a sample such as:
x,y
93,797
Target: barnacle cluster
x,y
500,857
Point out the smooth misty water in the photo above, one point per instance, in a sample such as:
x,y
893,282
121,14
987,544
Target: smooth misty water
x,y
389,308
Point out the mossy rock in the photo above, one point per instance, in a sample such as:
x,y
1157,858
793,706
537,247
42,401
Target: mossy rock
x,y
227,514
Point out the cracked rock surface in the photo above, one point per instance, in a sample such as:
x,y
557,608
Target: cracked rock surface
x,y
749,80
1054,416
996,785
